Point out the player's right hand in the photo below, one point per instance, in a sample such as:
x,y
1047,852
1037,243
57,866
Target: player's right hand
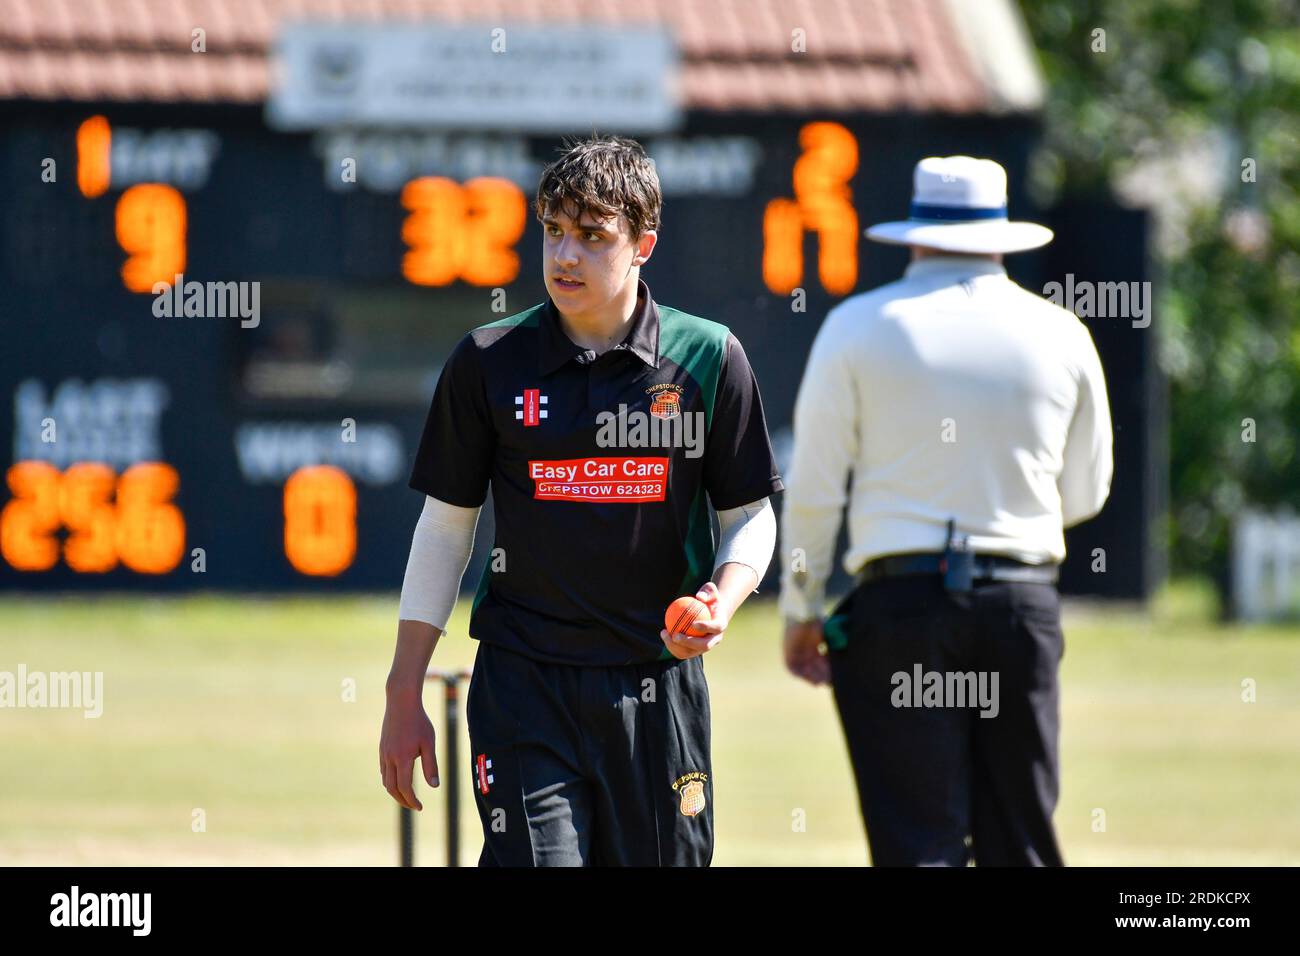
x,y
407,734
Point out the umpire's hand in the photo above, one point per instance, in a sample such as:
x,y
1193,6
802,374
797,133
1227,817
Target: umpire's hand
x,y
407,734
803,652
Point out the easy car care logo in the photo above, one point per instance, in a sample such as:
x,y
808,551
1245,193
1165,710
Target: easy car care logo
x,y
600,479
530,411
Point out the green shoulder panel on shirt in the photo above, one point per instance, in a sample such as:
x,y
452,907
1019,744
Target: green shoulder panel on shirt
x,y
526,317
699,547
697,345
484,582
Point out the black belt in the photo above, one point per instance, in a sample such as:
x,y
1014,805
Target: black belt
x,y
989,567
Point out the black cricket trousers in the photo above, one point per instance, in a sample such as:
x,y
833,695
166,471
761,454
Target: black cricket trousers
x,y
940,785
590,765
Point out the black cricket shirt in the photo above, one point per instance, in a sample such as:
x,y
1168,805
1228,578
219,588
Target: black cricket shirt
x,y
596,538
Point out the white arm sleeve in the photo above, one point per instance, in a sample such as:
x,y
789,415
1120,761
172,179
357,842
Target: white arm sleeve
x,y
747,536
440,549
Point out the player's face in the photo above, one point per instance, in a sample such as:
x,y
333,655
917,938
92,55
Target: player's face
x,y
589,263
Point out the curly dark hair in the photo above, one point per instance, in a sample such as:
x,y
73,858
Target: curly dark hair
x,y
606,176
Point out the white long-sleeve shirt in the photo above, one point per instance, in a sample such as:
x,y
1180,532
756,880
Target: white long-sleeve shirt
x,y
951,393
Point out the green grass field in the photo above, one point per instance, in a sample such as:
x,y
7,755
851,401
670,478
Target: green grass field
x,y
236,707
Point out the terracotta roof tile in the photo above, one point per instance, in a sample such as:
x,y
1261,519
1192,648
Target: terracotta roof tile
x,y
18,23
867,55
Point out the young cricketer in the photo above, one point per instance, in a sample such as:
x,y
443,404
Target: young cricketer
x,y
605,425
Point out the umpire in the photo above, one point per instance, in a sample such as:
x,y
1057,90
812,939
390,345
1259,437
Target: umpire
x,y
972,416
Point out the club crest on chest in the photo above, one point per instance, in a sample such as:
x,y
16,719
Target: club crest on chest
x,y
665,400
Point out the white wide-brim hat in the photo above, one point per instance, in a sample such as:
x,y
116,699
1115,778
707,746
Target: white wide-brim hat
x,y
959,204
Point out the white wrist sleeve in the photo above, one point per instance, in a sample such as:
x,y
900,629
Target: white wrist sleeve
x,y
440,549
747,536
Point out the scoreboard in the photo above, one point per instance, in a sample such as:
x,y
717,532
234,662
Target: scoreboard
x,y
220,339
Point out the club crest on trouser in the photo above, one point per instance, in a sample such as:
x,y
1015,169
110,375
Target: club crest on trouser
x,y
667,400
691,788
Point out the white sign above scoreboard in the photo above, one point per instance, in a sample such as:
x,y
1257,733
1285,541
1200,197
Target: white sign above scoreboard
x,y
523,78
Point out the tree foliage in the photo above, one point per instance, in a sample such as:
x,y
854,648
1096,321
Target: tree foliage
x,y
1193,108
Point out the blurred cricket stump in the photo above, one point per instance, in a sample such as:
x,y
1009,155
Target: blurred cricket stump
x,y
449,768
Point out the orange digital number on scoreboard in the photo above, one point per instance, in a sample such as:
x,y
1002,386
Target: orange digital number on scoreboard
x,y
822,204
151,218
151,222
94,156
110,519
462,232
320,520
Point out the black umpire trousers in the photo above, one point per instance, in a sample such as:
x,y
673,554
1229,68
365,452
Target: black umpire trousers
x,y
939,784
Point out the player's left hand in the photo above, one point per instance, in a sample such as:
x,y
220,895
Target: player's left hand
x,y
685,647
